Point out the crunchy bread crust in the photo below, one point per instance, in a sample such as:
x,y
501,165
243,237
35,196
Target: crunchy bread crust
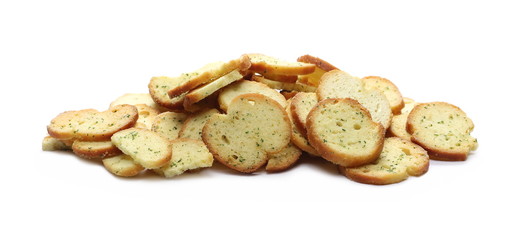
x,y
206,103
359,176
280,78
297,138
433,152
209,128
284,86
296,108
256,87
70,125
339,84
327,152
398,127
283,159
288,94
261,66
243,64
326,66
395,106
158,89
207,90
89,151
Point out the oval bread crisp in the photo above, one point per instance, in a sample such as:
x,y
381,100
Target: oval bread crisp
x,y
443,130
92,125
342,131
254,127
399,160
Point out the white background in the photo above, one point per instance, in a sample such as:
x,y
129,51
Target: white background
x,y
64,55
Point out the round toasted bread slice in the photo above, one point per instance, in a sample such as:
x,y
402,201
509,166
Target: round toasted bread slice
x,y
92,125
339,84
399,160
443,130
188,154
244,86
254,126
342,131
168,124
122,165
297,138
283,159
192,127
388,88
301,105
145,147
95,150
158,89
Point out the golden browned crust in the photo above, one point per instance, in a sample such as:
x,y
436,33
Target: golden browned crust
x,y
375,180
284,159
91,125
280,78
262,66
192,105
297,138
304,79
158,89
299,87
327,152
288,94
395,107
295,108
326,66
392,166
89,150
435,153
243,64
